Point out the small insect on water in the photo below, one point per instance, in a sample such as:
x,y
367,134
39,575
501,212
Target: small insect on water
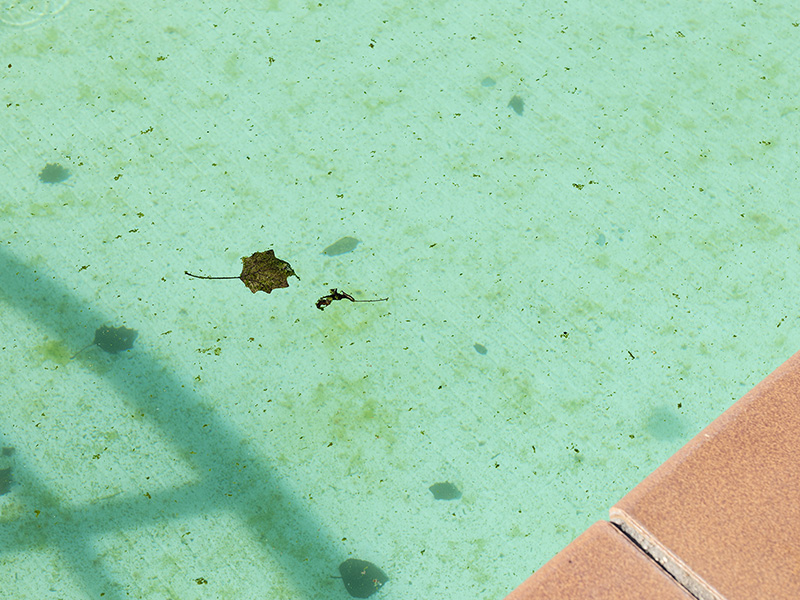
x,y
337,295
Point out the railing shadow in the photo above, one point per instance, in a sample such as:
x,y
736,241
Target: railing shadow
x,y
294,538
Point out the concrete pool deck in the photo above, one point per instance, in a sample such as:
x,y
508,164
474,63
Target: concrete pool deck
x,y
719,520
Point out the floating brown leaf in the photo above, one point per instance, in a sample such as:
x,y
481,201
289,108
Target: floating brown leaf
x,y
264,271
261,271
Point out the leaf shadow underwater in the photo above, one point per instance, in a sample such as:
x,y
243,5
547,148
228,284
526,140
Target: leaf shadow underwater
x,y
111,339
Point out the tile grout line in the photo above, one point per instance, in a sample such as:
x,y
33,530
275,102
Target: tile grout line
x,y
680,575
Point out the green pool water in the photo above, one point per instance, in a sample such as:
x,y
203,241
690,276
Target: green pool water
x,y
583,223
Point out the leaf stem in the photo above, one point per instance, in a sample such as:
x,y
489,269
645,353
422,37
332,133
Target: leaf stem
x,y
207,277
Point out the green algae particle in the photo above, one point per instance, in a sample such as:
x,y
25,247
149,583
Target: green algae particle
x,y
55,351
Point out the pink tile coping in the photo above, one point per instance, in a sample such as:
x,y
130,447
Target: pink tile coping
x,y
601,564
720,518
723,514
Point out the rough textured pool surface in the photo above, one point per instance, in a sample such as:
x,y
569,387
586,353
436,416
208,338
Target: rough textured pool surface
x,y
584,221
